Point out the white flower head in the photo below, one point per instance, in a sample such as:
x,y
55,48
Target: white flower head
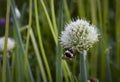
x,y
79,34
17,12
10,44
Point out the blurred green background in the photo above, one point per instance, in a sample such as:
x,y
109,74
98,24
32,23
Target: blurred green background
x,y
37,55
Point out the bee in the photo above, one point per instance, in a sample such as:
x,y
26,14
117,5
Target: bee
x,y
69,53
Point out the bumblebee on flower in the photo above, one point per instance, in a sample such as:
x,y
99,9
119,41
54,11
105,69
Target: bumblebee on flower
x,y
79,35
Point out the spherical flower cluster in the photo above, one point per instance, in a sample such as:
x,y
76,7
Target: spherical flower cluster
x,y
10,44
79,34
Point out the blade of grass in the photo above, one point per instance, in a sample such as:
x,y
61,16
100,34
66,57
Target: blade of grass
x,y
67,12
65,74
100,49
81,8
13,65
53,17
74,71
93,12
59,63
38,79
41,67
27,43
19,52
0,68
94,50
59,73
9,78
41,43
20,49
70,76
105,40
49,21
6,42
109,74
99,14
117,31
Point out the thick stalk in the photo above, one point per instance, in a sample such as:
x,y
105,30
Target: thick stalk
x,y
6,41
59,73
83,70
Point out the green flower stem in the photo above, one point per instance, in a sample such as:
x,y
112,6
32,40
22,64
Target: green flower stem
x,y
41,67
83,70
66,10
103,77
24,28
109,72
81,8
59,64
65,73
20,51
53,18
41,43
99,14
27,42
6,41
9,78
59,73
0,68
117,21
93,67
12,65
49,22
65,65
93,11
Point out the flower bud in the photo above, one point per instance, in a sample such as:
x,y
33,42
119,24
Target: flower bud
x,y
10,44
